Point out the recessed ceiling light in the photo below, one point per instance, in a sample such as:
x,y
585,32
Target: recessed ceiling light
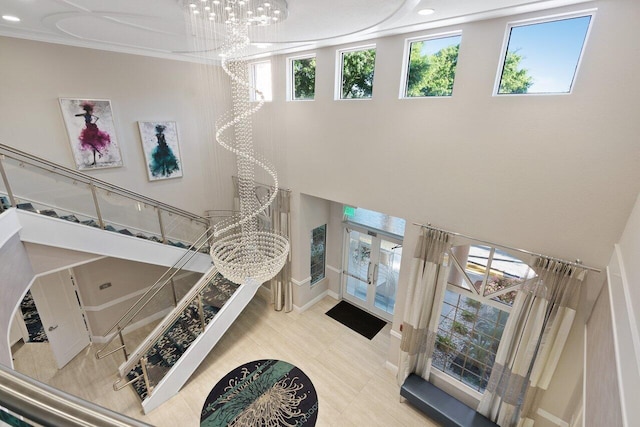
x,y
425,12
10,18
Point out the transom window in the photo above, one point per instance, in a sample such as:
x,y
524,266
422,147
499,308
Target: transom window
x,y
543,57
431,66
356,73
260,79
302,78
481,288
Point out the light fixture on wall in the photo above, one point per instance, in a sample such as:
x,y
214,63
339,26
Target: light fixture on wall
x,y
240,250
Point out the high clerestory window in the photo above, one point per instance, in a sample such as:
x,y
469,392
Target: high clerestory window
x,y
302,78
543,57
431,66
356,73
481,289
260,79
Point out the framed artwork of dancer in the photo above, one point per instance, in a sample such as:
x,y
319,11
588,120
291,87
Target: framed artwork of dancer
x,y
92,133
161,150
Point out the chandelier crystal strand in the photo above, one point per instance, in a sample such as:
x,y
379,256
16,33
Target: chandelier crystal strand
x,y
241,251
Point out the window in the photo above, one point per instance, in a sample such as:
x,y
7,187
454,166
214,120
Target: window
x,y
481,288
303,78
543,57
356,73
318,245
260,79
431,66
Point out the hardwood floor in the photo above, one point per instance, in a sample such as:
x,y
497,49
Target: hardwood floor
x,y
349,372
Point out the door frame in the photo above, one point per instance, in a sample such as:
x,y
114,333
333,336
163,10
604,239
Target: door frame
x,y
376,235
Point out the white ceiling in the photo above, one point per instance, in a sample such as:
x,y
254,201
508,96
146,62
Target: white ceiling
x,y
159,27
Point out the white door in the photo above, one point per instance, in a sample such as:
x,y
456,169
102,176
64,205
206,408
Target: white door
x,y
59,309
371,270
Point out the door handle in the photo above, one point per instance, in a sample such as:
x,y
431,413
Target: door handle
x,y
52,328
369,274
375,273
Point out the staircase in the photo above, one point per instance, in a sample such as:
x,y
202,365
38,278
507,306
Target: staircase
x,y
45,193
166,359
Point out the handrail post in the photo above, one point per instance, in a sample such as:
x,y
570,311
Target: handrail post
x,y
162,233
175,296
145,375
12,200
124,347
201,311
97,205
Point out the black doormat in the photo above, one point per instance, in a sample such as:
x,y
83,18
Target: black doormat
x,y
357,319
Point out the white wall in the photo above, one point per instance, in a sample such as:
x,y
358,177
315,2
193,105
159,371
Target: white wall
x,y
36,74
623,323
529,171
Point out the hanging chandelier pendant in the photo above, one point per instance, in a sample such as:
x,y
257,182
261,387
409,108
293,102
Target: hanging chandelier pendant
x,y
240,250
244,12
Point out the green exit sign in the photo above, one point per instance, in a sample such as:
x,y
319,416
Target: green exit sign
x,y
349,210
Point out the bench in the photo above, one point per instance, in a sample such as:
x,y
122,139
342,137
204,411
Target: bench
x,y
439,406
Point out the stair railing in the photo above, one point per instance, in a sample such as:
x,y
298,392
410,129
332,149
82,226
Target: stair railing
x,y
139,355
42,404
28,178
167,277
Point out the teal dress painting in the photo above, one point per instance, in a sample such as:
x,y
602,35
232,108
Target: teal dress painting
x,y
160,146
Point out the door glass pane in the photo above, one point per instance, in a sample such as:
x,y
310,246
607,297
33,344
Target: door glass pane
x,y
387,276
358,264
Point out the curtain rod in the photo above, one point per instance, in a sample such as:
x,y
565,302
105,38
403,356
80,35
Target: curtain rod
x,y
576,263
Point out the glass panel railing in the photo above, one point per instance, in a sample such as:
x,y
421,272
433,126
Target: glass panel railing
x,y
179,230
128,216
49,193
154,300
168,343
38,185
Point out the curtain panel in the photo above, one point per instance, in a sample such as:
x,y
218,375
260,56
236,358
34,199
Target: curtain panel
x,y
427,284
532,342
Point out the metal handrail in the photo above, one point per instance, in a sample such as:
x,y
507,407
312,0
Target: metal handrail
x,y
166,323
87,179
172,271
46,405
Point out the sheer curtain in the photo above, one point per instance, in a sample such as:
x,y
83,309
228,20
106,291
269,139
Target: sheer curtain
x,y
421,310
532,342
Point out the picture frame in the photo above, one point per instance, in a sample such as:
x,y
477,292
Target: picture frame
x,y
161,150
92,133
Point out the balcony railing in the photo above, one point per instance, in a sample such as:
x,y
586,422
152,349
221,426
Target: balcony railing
x,y
38,185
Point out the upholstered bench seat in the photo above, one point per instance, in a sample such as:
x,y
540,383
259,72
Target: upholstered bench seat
x,y
439,406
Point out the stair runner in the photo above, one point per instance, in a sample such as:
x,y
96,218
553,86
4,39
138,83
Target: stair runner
x,y
92,223
177,339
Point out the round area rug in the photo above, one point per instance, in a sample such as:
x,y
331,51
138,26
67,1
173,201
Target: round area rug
x,y
266,393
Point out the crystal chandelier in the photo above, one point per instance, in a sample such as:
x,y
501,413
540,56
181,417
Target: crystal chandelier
x,y
245,12
240,250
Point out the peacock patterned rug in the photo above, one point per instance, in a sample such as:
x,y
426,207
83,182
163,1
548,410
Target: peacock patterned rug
x,y
267,393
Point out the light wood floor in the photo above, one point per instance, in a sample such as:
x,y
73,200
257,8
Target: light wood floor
x,y
354,386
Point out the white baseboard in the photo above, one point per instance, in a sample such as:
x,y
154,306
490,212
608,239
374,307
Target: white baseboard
x,y
396,334
390,366
310,303
552,418
333,295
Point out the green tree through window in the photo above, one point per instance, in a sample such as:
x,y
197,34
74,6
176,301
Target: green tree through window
x,y
432,69
357,73
431,75
514,79
304,78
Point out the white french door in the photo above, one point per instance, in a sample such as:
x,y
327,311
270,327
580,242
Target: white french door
x,y
371,267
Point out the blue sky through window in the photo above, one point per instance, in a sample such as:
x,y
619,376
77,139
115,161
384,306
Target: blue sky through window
x,y
550,51
431,46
